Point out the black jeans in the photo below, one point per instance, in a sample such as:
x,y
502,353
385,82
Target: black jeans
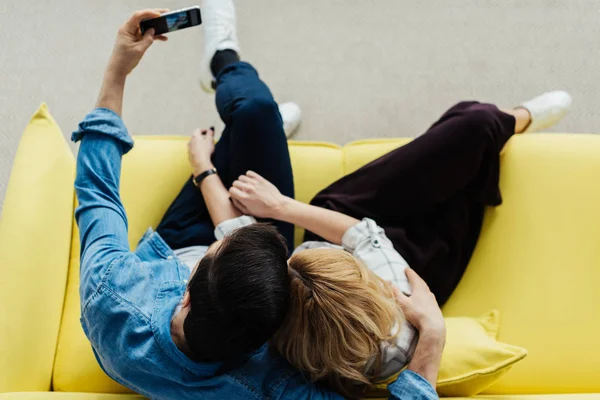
x,y
253,139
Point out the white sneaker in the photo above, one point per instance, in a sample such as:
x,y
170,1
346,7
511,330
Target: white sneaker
x,y
218,22
547,109
291,116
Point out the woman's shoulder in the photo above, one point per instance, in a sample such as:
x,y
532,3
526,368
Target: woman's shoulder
x,y
315,244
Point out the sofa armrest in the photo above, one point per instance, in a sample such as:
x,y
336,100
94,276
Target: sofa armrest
x,y
35,240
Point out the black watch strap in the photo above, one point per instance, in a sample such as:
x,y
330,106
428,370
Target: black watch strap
x,y
197,180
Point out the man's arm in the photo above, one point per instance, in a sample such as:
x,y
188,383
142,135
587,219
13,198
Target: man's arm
x,y
422,311
104,139
428,355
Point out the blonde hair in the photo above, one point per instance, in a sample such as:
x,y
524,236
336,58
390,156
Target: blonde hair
x,y
339,314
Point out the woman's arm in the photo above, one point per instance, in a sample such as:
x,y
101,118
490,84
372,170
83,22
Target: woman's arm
x,y
254,195
216,196
330,225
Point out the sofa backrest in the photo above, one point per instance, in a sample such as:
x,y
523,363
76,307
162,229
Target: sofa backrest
x,y
537,262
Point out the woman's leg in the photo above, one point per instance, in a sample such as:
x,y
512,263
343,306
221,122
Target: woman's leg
x,y
429,195
253,139
459,153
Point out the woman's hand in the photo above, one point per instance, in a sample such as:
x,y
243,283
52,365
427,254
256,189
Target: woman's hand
x,y
200,149
254,195
421,308
130,45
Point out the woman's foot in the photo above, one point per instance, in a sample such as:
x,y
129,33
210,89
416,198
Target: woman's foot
x,y
544,111
220,33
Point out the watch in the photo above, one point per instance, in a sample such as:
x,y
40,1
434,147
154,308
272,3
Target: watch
x,y
197,180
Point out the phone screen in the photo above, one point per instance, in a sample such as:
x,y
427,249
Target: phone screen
x,y
173,21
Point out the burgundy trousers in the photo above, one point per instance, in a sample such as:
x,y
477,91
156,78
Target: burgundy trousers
x,y
429,195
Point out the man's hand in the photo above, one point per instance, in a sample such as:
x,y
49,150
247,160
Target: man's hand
x,y
254,195
422,311
130,45
127,53
200,149
421,308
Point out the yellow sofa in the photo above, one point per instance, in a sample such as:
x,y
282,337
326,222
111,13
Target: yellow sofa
x,y
537,261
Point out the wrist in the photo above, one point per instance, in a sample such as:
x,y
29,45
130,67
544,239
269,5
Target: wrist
x,y
201,167
281,211
113,74
432,333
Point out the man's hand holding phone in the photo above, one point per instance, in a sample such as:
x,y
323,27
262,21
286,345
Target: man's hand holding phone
x,y
129,49
131,45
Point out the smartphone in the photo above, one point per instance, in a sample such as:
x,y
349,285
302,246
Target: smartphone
x,y
173,21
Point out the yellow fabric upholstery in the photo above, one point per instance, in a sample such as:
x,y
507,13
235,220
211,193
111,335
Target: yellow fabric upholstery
x,y
361,152
316,165
473,360
35,236
537,262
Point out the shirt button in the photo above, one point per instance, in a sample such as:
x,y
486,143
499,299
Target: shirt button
x,y
169,257
375,243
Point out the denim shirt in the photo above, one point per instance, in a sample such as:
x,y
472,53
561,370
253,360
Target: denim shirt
x,y
128,298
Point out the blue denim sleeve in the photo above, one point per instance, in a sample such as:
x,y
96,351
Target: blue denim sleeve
x,y
411,386
100,215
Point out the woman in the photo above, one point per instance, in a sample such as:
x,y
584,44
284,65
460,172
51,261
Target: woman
x,y
421,206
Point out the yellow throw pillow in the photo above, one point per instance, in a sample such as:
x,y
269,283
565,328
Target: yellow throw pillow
x,y
473,359
35,240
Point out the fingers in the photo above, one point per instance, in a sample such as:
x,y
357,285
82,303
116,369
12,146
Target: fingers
x,y
237,194
243,186
254,175
162,38
239,206
204,132
133,23
416,282
148,38
197,132
400,297
246,179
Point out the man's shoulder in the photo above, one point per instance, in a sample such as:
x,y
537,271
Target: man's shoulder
x,y
267,374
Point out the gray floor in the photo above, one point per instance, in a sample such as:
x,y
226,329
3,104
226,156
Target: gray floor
x,y
359,69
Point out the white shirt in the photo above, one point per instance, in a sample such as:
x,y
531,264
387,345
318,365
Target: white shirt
x,y
369,244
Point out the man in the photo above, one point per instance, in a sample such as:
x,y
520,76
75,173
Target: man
x,y
150,329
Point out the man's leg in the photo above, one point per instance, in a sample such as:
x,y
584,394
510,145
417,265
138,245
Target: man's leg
x,y
253,138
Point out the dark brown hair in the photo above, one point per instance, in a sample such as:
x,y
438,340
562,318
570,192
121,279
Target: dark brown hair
x,y
239,295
